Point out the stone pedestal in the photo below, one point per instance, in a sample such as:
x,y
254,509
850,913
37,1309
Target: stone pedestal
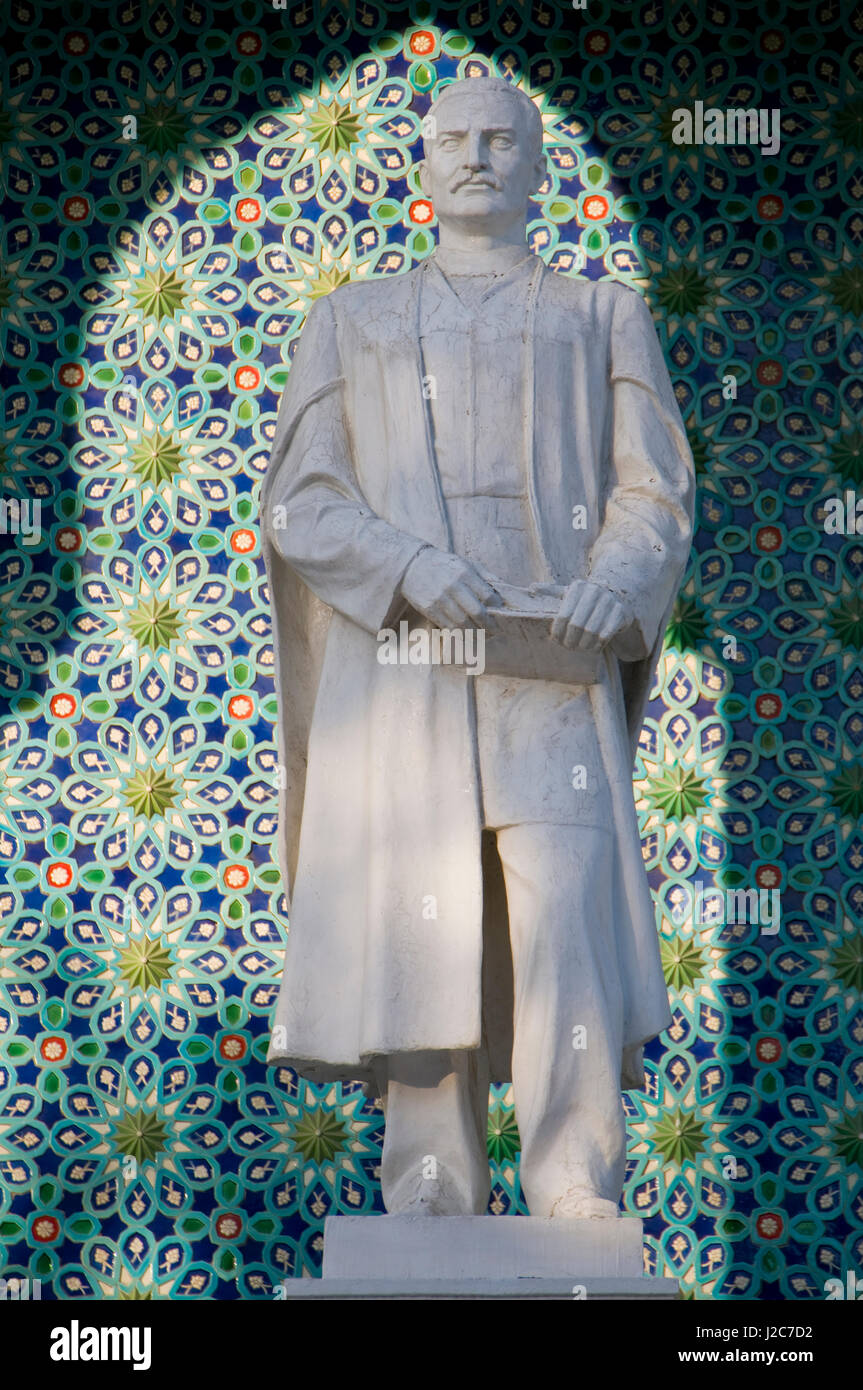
x,y
482,1257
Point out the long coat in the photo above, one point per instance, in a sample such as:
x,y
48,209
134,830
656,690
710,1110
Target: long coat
x,y
380,808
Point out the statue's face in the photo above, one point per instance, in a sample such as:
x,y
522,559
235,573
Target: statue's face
x,y
480,168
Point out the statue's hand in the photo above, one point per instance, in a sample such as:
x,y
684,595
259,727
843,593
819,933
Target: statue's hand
x,y
589,616
447,590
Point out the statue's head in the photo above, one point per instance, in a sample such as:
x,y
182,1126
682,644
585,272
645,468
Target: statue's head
x,y
483,155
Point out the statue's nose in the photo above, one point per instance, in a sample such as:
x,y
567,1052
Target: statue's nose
x,y
474,158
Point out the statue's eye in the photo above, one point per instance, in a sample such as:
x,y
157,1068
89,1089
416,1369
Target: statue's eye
x,y
501,142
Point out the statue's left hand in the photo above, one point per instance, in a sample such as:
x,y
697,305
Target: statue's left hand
x,y
589,616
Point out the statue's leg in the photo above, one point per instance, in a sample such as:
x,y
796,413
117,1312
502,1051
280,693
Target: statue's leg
x,y
435,1158
567,1037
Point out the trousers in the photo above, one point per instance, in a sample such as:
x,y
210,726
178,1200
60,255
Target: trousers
x,y
567,1009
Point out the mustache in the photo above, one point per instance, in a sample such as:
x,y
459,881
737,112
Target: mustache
x,y
476,182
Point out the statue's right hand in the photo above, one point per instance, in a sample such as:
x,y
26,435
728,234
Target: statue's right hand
x,y
447,590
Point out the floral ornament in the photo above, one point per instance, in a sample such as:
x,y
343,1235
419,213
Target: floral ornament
x,y
332,127
319,1135
678,792
846,792
150,792
682,291
846,1138
157,458
504,1141
146,962
141,1134
687,625
679,1136
846,962
847,456
162,128
159,293
154,622
689,271
328,280
682,962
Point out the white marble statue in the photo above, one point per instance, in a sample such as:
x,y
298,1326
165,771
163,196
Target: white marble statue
x,y
475,440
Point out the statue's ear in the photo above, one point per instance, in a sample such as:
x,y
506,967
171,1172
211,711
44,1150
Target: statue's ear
x,y
540,173
423,176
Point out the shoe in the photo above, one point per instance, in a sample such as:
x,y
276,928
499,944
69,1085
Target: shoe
x,y
579,1205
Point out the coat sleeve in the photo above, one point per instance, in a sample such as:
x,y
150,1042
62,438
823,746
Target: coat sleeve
x,y
643,545
314,514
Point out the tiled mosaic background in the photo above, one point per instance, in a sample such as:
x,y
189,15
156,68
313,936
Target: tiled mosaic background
x,y
181,181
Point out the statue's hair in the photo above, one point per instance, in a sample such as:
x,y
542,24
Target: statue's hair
x,y
532,118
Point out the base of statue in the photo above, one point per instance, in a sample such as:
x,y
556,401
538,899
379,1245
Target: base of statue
x,y
482,1257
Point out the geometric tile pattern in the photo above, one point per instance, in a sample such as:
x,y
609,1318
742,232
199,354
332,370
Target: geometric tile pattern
x,y
181,182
